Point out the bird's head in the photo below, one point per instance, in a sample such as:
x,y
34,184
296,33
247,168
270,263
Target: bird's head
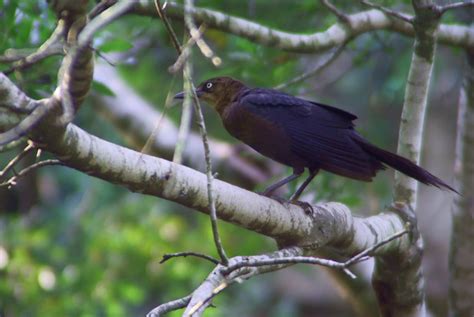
x,y
217,91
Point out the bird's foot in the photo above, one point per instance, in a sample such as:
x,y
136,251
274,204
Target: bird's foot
x,y
307,207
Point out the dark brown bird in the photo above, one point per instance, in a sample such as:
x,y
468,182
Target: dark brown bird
x,y
301,134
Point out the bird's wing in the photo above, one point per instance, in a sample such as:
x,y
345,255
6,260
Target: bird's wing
x,y
320,134
268,102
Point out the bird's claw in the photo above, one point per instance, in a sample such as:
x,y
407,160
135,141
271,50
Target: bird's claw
x,y
307,207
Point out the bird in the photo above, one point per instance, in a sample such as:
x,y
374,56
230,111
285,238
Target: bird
x,y
301,134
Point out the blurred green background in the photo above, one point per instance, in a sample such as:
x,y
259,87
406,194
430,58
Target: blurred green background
x,y
72,245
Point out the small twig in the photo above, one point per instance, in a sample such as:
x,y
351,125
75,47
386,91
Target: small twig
x,y
312,260
442,9
54,49
367,252
52,46
316,70
341,16
169,28
168,256
285,260
154,133
10,146
185,52
388,11
13,54
207,155
210,185
216,291
17,158
12,181
105,58
169,306
195,34
186,116
41,108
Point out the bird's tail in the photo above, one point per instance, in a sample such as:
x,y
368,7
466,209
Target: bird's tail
x,y
402,164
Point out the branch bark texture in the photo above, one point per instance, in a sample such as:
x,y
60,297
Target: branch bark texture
x,y
398,278
335,35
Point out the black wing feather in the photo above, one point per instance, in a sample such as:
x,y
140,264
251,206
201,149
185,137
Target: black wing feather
x,y
320,134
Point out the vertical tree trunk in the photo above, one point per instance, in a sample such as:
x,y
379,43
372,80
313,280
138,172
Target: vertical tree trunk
x,y
398,279
461,259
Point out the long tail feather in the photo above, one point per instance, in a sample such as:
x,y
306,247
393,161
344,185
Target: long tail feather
x,y
402,164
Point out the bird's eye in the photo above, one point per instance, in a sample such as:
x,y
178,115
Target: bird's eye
x,y
209,85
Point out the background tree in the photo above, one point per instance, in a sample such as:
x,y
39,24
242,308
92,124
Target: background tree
x,y
75,245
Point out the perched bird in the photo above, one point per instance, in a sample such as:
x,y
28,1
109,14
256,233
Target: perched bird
x,y
301,134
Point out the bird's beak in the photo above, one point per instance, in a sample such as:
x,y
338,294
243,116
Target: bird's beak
x,y
180,95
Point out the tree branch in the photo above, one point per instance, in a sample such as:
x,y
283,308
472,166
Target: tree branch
x,y
416,97
52,46
12,181
186,115
77,68
288,224
338,13
456,5
169,29
161,178
10,165
404,295
335,35
245,267
389,12
168,307
168,256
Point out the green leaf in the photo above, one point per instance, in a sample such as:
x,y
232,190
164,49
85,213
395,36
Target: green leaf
x,y
115,45
102,89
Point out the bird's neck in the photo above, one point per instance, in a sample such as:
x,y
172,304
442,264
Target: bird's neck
x,y
225,99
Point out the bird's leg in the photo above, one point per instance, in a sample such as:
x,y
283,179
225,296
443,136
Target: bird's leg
x,y
270,189
299,191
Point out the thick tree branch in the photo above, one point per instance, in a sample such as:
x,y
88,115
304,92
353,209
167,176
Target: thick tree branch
x,y
416,98
288,224
77,68
158,177
335,35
